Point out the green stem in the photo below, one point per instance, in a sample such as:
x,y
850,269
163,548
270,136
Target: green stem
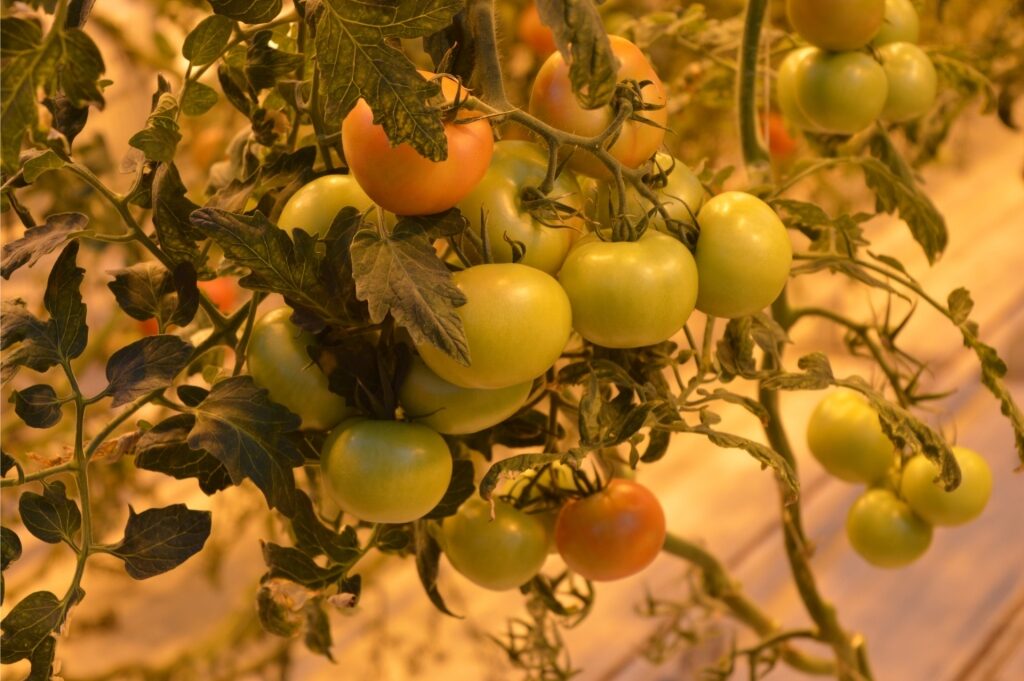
x,y
81,471
66,467
755,156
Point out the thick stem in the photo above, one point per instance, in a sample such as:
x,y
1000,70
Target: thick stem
x,y
488,68
755,156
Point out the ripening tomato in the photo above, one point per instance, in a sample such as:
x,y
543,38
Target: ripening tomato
x,y
554,102
842,92
836,24
315,205
386,471
901,24
517,321
628,294
447,408
844,435
279,362
786,87
884,531
500,553
780,143
499,196
743,255
532,31
222,292
931,501
612,534
912,81
398,178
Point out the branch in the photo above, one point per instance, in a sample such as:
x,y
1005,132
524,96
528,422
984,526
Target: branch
x,y
755,156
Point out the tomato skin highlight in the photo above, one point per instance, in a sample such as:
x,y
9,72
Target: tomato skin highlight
x,y
386,471
278,362
498,554
901,24
552,100
517,321
912,81
885,532
315,205
398,179
630,294
743,255
933,503
846,438
515,166
432,401
612,534
842,92
836,25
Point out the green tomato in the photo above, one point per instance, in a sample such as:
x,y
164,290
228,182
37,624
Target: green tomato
x,y
542,494
842,92
932,502
629,294
386,471
901,24
836,24
677,187
500,553
912,81
279,362
447,408
314,207
514,167
844,435
785,87
743,255
884,531
517,321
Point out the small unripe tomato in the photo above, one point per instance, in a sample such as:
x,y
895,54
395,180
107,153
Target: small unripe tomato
x,y
912,81
931,501
786,86
315,205
901,24
836,25
842,92
884,531
844,435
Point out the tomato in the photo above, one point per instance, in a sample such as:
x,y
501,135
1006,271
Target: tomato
x,y
223,292
612,534
515,167
531,31
843,92
932,502
912,81
386,471
278,361
542,493
517,321
786,86
780,143
901,24
447,408
743,255
315,205
884,531
400,180
628,294
553,101
836,24
844,435
500,553
676,186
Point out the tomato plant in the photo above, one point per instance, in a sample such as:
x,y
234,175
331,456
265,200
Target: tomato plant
x,y
844,435
841,92
912,81
628,294
933,503
885,532
315,205
612,534
386,471
498,553
836,24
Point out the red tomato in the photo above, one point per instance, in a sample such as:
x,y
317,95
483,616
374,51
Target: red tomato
x,y
781,144
534,33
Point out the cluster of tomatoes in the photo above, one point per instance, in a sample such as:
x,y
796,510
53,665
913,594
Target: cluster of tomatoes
x,y
548,271
862,65
890,525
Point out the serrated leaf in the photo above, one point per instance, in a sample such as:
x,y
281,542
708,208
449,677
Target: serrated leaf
x,y
28,624
204,43
239,425
24,63
164,449
42,240
579,32
315,539
146,290
159,139
66,118
161,539
39,161
513,464
265,65
247,11
318,629
80,69
817,375
42,660
192,395
146,365
171,213
286,562
356,60
657,445
767,456
428,558
735,350
197,98
401,274
50,516
459,489
38,406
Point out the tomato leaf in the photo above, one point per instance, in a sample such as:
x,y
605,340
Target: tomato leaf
x,y
159,139
286,562
37,405
239,425
197,98
459,489
314,539
204,43
428,558
164,449
171,212
50,516
356,59
264,65
42,660
401,274
28,625
247,11
146,365
513,464
161,539
36,162
42,240
148,290
735,351
817,375
318,628
579,32
10,551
